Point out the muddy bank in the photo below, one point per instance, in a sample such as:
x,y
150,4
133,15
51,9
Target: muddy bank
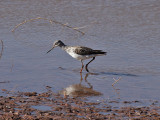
x,y
51,106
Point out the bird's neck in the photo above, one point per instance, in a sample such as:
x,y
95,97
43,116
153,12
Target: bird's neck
x,y
63,46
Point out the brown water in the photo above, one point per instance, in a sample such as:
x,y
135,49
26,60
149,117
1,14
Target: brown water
x,y
128,30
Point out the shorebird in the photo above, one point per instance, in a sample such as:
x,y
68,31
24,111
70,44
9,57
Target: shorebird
x,y
79,52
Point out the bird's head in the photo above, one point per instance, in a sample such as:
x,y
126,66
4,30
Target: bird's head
x,y
57,43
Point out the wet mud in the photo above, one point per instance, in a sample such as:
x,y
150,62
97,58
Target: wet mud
x,y
52,106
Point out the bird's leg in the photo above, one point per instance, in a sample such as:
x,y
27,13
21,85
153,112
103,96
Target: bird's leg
x,y
88,64
82,66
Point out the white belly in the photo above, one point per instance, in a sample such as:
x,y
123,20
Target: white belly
x,y
80,57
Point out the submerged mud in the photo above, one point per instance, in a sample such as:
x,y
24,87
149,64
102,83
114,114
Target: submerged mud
x,y
52,106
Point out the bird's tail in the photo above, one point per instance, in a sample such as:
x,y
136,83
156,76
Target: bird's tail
x,y
99,52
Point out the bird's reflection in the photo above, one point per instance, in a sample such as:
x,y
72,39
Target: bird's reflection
x,y
79,90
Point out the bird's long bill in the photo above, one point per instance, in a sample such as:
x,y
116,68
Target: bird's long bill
x,y
50,49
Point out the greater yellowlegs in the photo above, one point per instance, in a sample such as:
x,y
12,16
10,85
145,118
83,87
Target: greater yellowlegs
x,y
79,52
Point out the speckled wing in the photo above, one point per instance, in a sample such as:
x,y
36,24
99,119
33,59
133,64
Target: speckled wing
x,y
87,51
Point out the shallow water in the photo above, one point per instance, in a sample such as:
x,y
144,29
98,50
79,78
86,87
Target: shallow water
x,y
127,30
